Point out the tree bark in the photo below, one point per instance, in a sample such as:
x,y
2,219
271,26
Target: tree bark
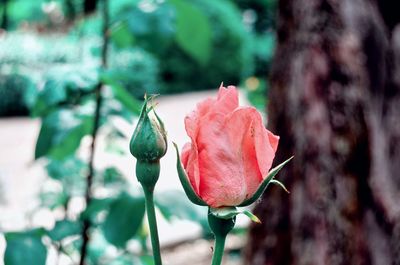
x,y
335,102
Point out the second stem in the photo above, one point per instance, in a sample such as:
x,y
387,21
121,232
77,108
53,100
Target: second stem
x,y
151,217
147,174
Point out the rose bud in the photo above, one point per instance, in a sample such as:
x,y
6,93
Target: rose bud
x,y
149,140
148,144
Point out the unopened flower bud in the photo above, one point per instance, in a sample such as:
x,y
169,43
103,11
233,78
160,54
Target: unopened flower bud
x,y
149,140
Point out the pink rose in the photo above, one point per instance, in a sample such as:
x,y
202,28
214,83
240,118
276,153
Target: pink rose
x,y
230,153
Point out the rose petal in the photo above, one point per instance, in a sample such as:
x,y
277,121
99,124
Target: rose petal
x,y
210,130
273,140
266,144
185,154
221,183
227,101
223,186
192,120
190,163
240,128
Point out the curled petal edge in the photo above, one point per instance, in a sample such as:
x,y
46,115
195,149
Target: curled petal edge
x,y
187,187
265,184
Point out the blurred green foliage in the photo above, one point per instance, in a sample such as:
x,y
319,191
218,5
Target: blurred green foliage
x,y
260,18
25,247
136,70
157,46
227,57
13,91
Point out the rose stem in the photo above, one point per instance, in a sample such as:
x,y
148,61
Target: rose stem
x,y
220,228
219,247
151,217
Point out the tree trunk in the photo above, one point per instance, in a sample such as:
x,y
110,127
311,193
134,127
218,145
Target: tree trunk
x,y
335,102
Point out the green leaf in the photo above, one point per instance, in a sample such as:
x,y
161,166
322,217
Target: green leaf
x,y
44,141
121,35
146,260
59,170
97,248
95,207
124,219
153,29
264,184
112,175
187,187
70,172
121,94
63,229
193,31
63,85
53,200
25,11
175,204
50,95
25,248
231,211
61,133
116,7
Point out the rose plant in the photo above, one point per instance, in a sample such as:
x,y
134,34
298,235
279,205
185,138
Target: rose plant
x,y
148,145
226,165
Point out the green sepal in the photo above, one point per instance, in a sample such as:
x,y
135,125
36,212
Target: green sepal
x,y
231,211
187,187
220,226
160,122
280,184
264,184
